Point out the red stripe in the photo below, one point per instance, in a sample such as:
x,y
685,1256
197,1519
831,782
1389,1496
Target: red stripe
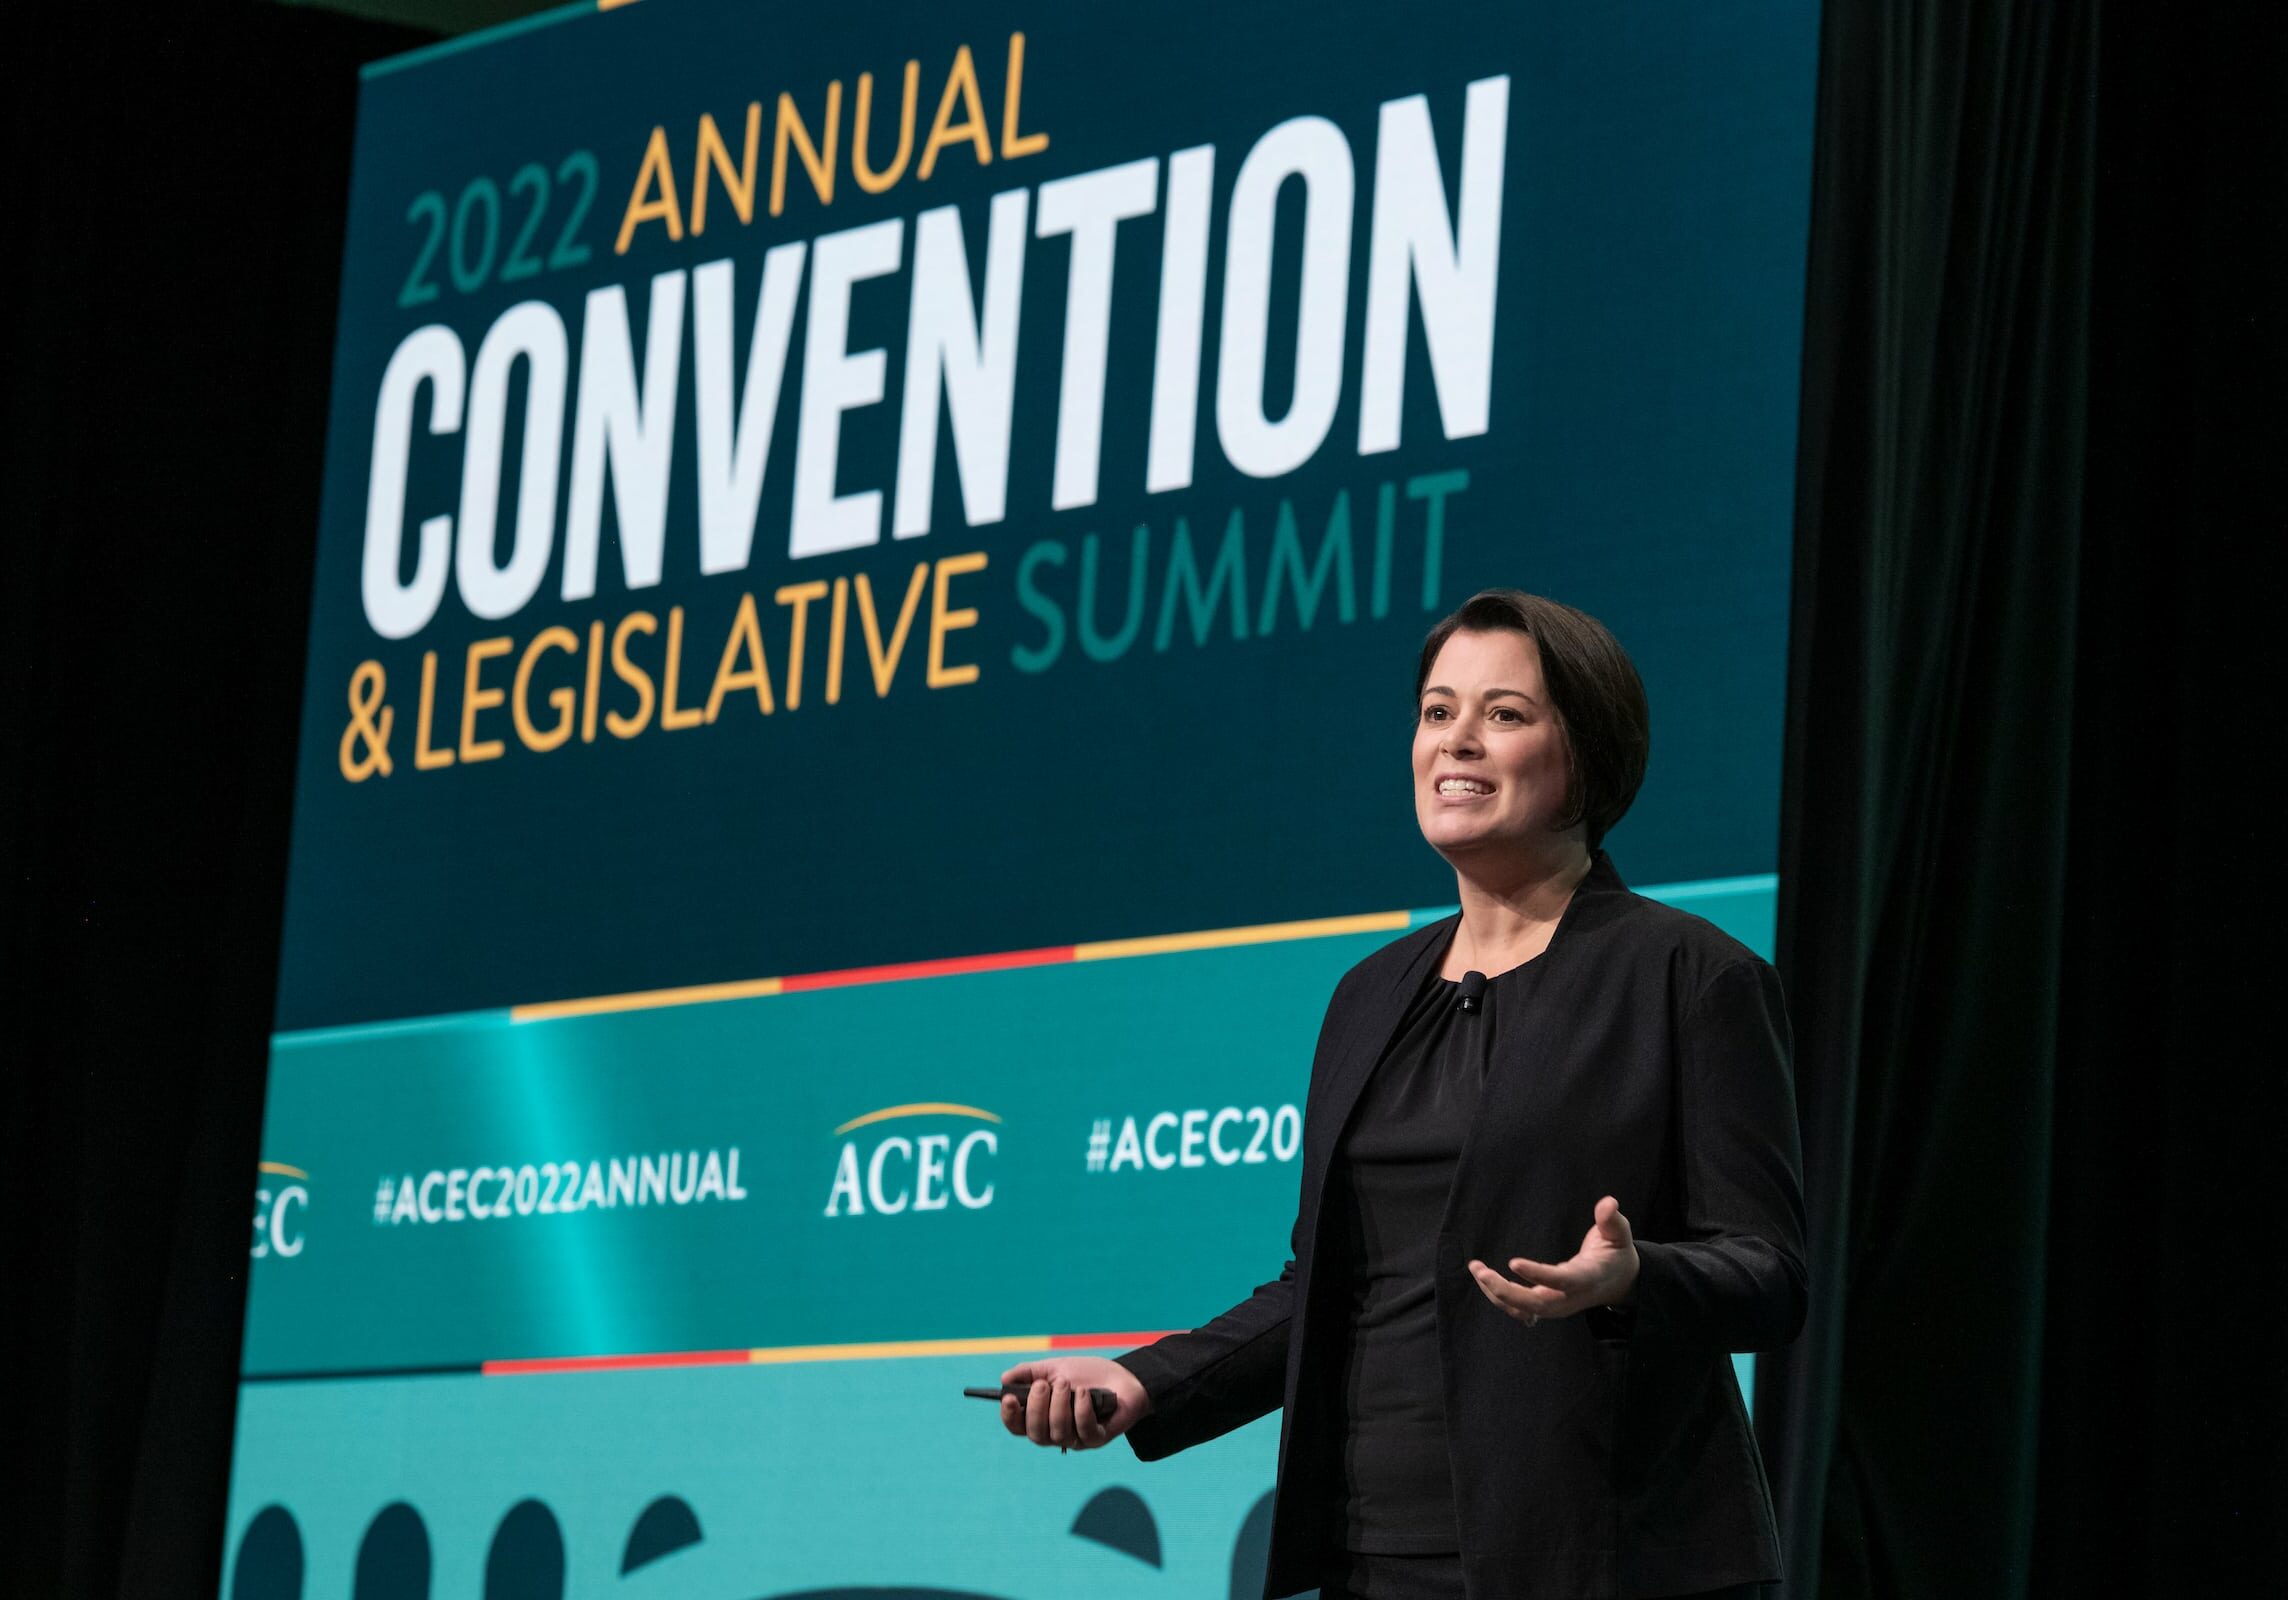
x,y
947,967
1096,1341
685,1358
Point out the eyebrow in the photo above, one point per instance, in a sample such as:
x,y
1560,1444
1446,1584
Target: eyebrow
x,y
1491,694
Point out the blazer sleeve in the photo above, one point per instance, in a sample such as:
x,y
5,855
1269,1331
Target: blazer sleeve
x,y
1232,1370
1735,1277
1217,1377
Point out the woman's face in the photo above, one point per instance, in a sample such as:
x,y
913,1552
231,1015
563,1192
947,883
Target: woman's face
x,y
1489,758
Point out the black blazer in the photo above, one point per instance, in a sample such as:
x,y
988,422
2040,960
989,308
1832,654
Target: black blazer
x,y
1601,1455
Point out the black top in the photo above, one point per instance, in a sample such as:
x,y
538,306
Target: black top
x,y
1393,1491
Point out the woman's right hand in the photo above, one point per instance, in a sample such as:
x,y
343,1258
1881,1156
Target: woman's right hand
x,y
1057,1409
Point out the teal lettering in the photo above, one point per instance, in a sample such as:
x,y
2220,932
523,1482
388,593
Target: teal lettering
x,y
1287,557
1184,578
1044,656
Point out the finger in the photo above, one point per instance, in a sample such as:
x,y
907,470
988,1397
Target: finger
x,y
1610,1222
1518,1299
1060,1414
1566,1276
1087,1431
1020,1374
1037,1402
1013,1415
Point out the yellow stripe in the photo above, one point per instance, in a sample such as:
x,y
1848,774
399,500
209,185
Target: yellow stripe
x,y
1102,950
281,1169
898,1348
645,1000
1262,933
613,5
921,1108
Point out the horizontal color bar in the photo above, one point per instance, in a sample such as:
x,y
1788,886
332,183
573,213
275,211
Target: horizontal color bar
x,y
676,1358
1224,938
465,1369
1047,955
899,972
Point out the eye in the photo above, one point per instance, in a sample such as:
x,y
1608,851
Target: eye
x,y
1510,713
1432,713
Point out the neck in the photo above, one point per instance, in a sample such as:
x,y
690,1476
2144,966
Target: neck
x,y
1510,908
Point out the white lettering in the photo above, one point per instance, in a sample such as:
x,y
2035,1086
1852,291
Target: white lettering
x,y
533,333
874,1192
975,365
734,449
1451,266
1152,1153
1090,207
836,379
612,428
430,355
974,1200
1229,1114
1314,150
845,1184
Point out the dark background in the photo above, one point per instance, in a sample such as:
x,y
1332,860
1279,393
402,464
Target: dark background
x,y
2028,861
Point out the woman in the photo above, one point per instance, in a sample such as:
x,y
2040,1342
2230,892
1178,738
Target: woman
x,y
1475,1404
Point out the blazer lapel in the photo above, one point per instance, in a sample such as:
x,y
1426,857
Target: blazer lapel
x,y
1366,1034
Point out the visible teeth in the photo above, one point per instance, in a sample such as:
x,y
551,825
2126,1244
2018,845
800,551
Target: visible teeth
x,y
1464,786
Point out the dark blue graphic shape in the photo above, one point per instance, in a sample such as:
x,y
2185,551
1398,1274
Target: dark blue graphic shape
x,y
393,1558
526,1561
1120,1519
667,1525
269,1558
1251,1554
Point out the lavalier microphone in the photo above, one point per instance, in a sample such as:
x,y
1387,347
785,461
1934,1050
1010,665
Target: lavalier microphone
x,y
1473,990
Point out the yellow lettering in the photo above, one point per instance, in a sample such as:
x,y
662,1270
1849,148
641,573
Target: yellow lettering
x,y
475,699
860,168
424,758
671,715
820,167
715,156
834,633
798,595
1013,143
943,622
747,636
595,673
960,83
658,171
886,664
562,697
629,673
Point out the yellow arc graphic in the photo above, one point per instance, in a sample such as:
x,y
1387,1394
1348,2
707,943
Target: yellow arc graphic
x,y
920,1108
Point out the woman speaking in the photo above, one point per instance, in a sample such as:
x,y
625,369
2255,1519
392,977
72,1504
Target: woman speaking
x,y
1481,1399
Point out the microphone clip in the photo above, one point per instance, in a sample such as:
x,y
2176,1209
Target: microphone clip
x,y
1473,992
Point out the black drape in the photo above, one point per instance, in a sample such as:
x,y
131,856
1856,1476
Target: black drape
x,y
176,186
2023,883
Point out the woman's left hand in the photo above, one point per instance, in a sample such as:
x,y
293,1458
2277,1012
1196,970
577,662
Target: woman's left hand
x,y
1602,1273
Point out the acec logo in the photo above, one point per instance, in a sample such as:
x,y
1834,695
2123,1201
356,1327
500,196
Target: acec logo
x,y
275,1231
891,1173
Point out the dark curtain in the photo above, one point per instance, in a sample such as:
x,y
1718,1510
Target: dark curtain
x,y
176,187
2024,877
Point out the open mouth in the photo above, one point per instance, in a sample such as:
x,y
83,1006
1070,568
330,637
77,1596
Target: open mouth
x,y
1463,788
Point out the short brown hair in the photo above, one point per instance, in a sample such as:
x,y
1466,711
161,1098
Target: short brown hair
x,y
1599,699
